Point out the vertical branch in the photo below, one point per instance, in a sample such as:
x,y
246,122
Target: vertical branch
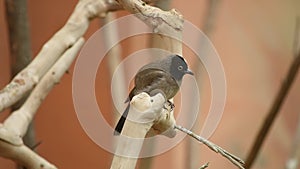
x,y
167,27
20,50
210,16
142,107
19,39
154,41
275,108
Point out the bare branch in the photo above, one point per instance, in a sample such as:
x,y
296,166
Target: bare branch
x,y
49,65
24,156
75,27
19,120
168,23
15,126
143,110
204,166
19,39
274,110
167,27
20,50
235,160
155,42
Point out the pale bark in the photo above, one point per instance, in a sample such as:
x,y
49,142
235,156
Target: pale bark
x,y
16,125
75,27
167,28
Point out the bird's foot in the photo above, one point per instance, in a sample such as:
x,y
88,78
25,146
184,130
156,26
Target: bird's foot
x,y
169,106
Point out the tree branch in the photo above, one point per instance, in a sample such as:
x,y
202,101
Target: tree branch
x,y
141,117
274,110
15,126
19,39
154,41
167,23
25,156
19,120
234,159
167,27
20,50
75,27
204,166
49,65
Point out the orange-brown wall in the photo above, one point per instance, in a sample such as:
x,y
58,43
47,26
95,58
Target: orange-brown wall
x,y
255,43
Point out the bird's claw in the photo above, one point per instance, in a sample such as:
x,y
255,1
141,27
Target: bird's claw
x,y
169,106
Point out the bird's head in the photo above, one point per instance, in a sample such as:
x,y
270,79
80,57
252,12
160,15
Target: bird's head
x,y
179,67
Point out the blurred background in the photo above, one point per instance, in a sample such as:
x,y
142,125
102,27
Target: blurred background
x,y
255,41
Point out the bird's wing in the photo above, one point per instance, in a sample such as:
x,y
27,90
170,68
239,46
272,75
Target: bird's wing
x,y
147,77
144,79
153,81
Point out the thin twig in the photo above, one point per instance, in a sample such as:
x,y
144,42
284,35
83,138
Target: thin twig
x,y
204,166
234,159
274,110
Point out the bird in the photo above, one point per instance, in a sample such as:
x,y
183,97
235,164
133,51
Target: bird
x,y
161,76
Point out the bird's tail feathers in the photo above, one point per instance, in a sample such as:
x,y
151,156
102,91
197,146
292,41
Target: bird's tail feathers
x,y
121,122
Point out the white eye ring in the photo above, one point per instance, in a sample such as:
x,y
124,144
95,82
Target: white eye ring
x,y
180,67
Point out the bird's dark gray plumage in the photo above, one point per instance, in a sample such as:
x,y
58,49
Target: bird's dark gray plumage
x,y
162,76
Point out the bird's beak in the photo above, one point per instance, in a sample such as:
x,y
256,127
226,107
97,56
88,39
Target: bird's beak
x,y
189,72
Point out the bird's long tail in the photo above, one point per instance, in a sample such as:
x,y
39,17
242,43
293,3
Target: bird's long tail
x,y
119,126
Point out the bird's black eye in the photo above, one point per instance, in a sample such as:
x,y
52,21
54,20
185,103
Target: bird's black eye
x,y
180,67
